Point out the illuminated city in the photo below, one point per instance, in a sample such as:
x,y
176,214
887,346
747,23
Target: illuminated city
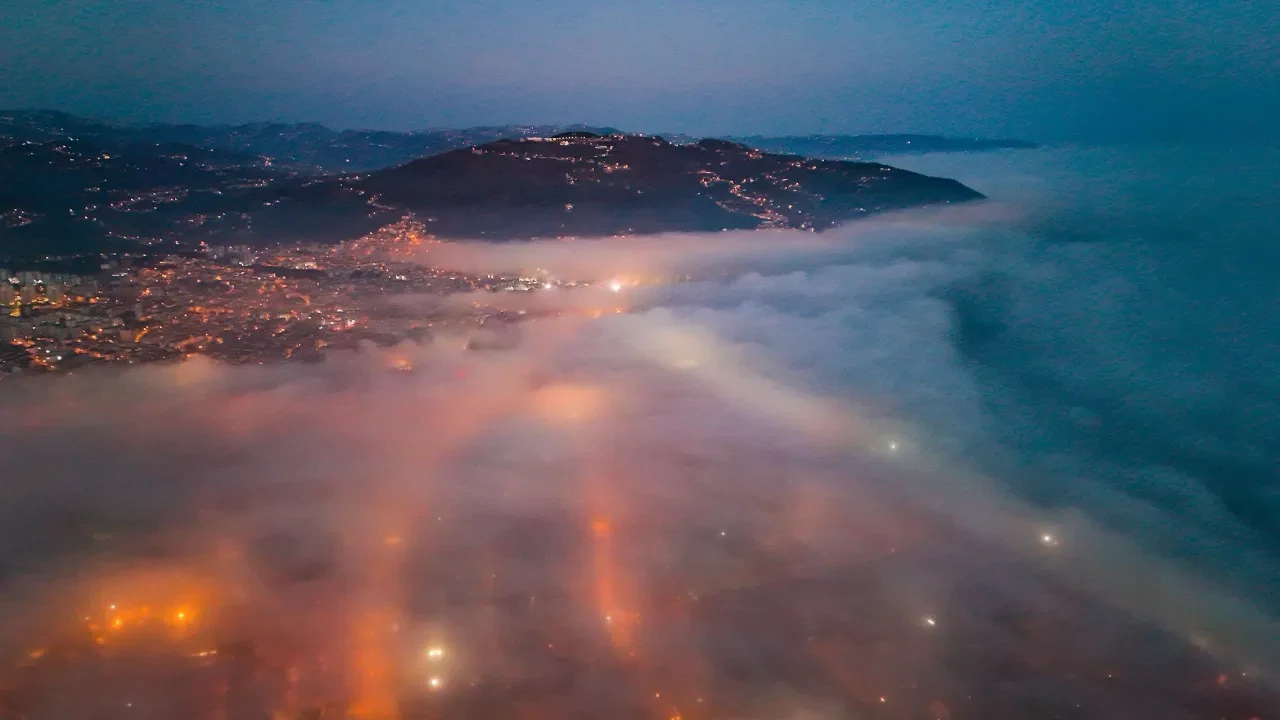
x,y
231,303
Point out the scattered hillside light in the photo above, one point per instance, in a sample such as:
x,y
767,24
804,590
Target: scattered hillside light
x,y
435,653
615,286
1048,540
434,683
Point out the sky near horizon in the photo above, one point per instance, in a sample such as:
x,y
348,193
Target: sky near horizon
x,y
1040,69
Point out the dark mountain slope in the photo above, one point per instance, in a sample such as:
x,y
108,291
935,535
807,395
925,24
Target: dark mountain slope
x,y
591,185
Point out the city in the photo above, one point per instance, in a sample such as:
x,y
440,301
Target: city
x,y
234,304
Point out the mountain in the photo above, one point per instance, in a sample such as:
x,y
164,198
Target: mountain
x,y
316,149
70,186
67,196
863,146
586,184
300,147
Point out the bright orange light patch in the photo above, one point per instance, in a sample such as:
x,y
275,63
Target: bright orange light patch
x,y
567,403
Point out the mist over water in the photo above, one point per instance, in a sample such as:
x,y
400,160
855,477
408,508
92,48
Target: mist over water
x,y
1126,352
1015,459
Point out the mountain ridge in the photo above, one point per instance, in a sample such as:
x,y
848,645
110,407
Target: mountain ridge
x,y
318,149
68,190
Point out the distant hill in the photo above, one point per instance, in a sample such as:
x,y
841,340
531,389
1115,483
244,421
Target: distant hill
x,y
316,149
300,147
65,196
864,146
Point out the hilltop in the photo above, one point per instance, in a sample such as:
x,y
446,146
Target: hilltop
x,y
587,184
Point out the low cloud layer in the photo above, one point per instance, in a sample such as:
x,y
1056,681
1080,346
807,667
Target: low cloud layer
x,y
781,487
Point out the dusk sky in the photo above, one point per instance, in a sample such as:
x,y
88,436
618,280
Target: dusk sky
x,y
1039,69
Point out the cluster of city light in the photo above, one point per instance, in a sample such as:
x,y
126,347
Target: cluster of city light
x,y
235,310
435,656
116,620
